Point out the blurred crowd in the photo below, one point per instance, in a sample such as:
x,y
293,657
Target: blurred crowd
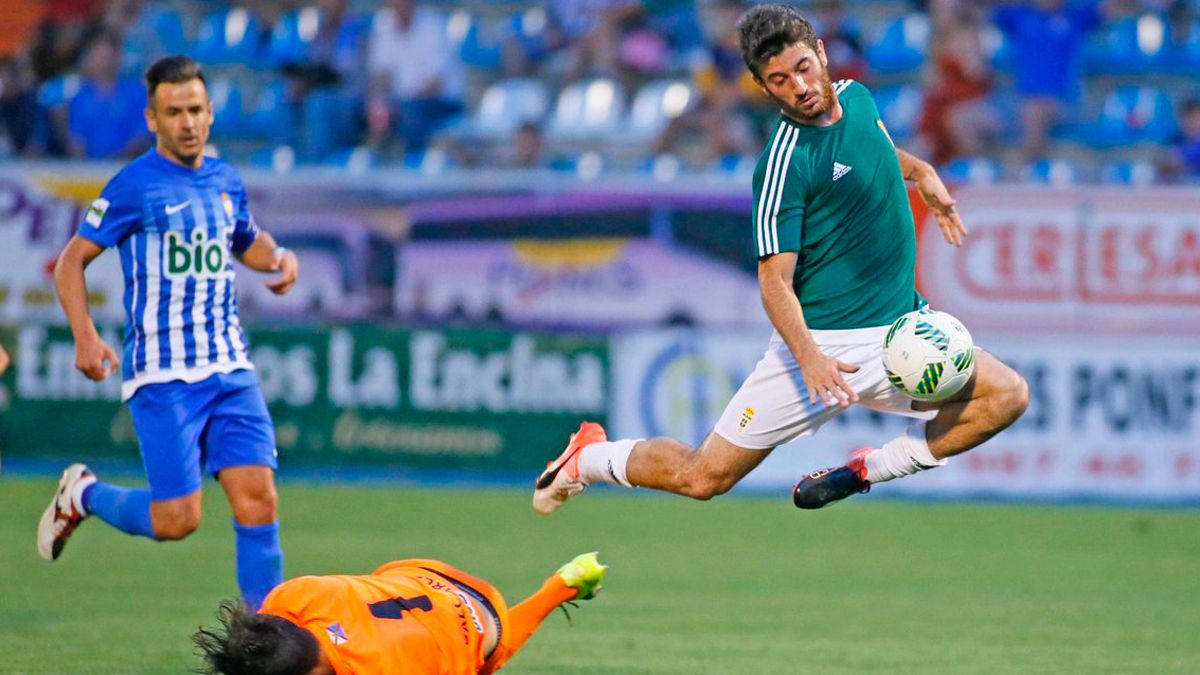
x,y
1039,90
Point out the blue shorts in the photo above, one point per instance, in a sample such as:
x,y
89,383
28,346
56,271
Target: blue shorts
x,y
219,422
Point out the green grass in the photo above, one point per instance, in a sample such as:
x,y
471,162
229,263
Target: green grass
x,y
737,585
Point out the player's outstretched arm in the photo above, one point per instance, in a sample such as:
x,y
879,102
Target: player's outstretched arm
x,y
93,357
4,360
935,195
264,255
822,374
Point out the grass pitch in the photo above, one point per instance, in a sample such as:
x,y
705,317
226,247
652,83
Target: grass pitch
x,y
738,585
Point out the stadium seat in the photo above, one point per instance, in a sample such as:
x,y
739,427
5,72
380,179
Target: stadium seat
x,y
292,36
229,112
1183,55
1128,46
1138,173
997,48
528,29
972,171
1052,172
1132,114
900,47
474,46
157,32
587,166
655,105
900,108
228,37
505,106
269,116
587,110
58,91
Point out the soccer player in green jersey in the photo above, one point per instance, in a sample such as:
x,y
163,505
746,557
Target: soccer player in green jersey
x,y
836,251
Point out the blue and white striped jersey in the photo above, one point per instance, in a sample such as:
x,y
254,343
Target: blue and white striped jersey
x,y
176,229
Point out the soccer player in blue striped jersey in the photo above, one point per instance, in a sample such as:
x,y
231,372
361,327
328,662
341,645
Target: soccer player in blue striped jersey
x,y
177,219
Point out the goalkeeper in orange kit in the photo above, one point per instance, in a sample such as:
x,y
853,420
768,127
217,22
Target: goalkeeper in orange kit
x,y
408,617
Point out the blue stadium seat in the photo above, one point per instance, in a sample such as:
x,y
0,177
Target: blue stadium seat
x,y
474,46
292,36
1127,46
900,108
1183,56
270,116
330,122
528,29
997,48
58,91
1053,172
656,104
972,171
354,160
229,112
228,37
1138,173
587,110
586,166
900,47
1133,114
157,32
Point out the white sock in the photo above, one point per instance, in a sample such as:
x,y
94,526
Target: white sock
x,y
77,493
605,462
904,455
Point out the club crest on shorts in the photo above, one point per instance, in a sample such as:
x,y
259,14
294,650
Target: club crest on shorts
x,y
744,422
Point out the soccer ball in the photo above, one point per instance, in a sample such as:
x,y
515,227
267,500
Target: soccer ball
x,y
928,355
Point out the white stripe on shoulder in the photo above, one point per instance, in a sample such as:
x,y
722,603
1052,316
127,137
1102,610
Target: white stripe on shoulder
x,y
765,191
787,160
840,85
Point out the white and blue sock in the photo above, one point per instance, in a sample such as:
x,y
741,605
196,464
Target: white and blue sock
x,y
259,561
127,509
904,455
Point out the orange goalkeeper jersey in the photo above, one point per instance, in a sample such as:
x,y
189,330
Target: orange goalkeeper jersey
x,y
408,617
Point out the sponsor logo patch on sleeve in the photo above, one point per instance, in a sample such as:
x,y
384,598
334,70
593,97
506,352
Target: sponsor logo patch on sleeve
x,y
96,211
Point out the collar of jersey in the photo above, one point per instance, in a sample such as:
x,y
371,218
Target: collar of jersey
x,y
206,167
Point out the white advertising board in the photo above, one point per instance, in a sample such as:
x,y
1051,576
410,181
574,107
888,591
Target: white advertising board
x,y
591,282
1123,262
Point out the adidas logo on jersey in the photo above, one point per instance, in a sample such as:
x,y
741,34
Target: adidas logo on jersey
x,y
840,170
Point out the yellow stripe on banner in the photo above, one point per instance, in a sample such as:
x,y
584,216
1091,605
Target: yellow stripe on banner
x,y
78,190
571,253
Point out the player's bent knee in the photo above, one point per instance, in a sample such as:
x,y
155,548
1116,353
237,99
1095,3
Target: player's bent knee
x,y
1013,400
704,488
176,526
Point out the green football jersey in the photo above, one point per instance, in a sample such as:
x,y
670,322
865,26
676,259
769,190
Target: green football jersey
x,y
835,196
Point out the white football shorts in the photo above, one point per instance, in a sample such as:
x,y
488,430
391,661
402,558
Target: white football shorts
x,y
772,406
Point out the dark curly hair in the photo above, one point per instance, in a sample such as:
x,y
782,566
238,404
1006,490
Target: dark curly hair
x,y
255,644
766,30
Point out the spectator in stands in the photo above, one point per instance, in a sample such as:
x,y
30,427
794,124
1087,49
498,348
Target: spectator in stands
x,y
842,39
329,68
18,105
957,119
724,122
417,82
1183,161
67,27
1047,38
105,120
527,148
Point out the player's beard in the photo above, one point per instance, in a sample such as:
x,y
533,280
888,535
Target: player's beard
x,y
824,103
